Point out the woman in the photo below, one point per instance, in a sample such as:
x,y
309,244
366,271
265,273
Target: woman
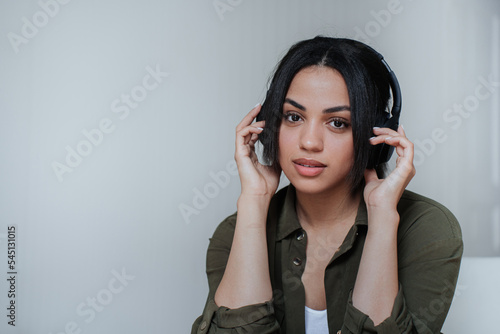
x,y
339,250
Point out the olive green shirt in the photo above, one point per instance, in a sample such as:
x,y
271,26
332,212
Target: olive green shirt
x,y
429,253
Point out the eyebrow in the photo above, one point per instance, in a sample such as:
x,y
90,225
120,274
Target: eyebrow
x,y
326,111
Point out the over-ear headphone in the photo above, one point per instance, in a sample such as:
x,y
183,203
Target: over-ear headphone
x,y
382,152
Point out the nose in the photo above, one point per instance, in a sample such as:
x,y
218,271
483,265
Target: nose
x,y
311,138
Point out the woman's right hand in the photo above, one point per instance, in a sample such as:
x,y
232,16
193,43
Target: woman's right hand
x,y
240,286
256,179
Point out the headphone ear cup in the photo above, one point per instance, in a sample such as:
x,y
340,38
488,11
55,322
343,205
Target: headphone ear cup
x,y
381,153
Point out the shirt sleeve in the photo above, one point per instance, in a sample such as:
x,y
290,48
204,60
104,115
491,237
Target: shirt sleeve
x,y
430,249
398,322
257,318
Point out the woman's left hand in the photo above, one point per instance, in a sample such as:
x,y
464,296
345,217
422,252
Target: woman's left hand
x,y
384,194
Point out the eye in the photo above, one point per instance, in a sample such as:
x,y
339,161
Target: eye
x,y
292,117
338,123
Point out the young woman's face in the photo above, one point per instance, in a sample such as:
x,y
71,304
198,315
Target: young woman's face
x,y
316,150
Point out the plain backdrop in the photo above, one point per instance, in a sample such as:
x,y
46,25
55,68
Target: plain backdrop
x,y
117,132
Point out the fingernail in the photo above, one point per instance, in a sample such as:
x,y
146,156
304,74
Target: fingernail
x,y
255,106
402,126
372,138
260,128
388,138
376,127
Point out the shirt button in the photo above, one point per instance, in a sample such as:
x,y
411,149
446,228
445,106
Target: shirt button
x,y
300,235
297,261
203,325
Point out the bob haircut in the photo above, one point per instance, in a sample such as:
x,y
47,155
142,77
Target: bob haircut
x,y
368,86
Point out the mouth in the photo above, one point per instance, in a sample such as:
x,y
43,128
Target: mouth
x,y
308,167
310,163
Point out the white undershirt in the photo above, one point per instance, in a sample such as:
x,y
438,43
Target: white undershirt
x,y
316,321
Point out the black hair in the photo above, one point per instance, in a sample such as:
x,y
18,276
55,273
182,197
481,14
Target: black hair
x,y
367,81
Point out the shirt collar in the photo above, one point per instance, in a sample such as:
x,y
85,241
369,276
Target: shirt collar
x,y
288,221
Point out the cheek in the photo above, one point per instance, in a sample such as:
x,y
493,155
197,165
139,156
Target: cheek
x,y
285,142
350,152
344,148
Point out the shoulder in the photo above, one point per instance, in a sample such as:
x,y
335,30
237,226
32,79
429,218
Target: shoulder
x,y
427,226
419,211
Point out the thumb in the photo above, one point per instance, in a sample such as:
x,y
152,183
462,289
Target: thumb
x,y
370,175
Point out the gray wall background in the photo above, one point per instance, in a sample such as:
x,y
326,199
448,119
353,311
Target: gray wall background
x,y
117,131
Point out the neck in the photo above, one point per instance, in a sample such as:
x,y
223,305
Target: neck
x,y
326,209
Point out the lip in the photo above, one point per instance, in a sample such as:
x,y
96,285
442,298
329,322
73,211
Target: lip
x,y
308,167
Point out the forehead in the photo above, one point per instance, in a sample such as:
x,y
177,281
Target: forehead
x,y
319,85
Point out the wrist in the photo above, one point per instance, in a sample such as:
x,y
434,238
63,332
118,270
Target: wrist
x,y
383,221
253,200
252,212
387,212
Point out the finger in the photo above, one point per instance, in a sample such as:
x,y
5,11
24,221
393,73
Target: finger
x,y
244,136
381,134
404,147
248,119
252,136
380,139
401,130
384,131
259,124
253,140
245,131
370,175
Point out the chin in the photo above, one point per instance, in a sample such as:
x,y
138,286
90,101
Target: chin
x,y
313,186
